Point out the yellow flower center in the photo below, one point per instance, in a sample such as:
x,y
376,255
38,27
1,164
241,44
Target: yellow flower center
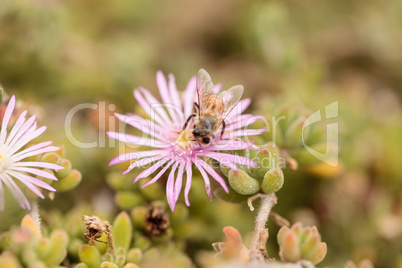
x,y
184,139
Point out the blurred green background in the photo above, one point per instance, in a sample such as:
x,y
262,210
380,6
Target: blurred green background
x,y
58,54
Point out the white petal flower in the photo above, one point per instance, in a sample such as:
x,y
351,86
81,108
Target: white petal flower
x,y
12,154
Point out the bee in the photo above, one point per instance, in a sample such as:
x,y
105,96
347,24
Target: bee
x,y
212,109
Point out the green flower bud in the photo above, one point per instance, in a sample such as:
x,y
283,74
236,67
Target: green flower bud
x,y
275,153
281,234
69,182
141,241
90,256
265,162
58,244
67,168
107,264
29,255
81,265
5,240
102,247
320,254
134,255
43,247
122,230
127,199
297,228
138,215
180,214
232,196
242,183
37,264
289,248
153,191
305,158
310,245
151,254
299,243
108,257
293,134
131,265
115,181
349,264
225,170
74,246
120,260
52,157
273,181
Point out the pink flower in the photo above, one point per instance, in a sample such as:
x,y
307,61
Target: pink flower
x,y
12,166
176,149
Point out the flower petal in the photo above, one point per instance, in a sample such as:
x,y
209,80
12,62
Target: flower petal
x,y
6,119
189,172
37,172
16,127
141,141
242,133
133,156
213,173
240,108
22,130
230,158
15,191
150,170
245,121
159,174
156,105
31,134
29,185
148,108
226,145
206,179
169,187
33,148
189,97
163,87
143,162
143,125
2,201
179,181
38,164
175,99
24,177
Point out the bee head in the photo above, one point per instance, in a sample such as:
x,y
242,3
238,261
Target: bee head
x,y
196,133
206,140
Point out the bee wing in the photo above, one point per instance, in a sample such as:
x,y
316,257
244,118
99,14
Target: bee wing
x,y
204,85
230,98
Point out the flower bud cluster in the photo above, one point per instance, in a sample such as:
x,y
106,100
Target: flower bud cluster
x,y
67,178
266,177
298,243
25,246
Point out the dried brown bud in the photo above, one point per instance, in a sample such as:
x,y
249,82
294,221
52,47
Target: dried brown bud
x,y
95,228
156,221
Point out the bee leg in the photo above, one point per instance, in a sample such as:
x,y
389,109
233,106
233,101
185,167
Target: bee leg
x,y
223,127
188,120
196,106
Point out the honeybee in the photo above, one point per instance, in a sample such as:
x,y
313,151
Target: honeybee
x,y
212,109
